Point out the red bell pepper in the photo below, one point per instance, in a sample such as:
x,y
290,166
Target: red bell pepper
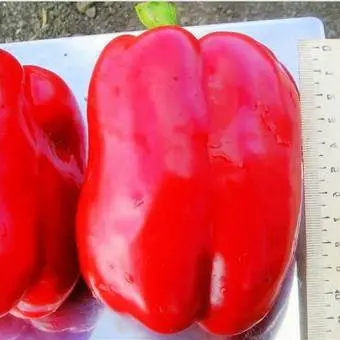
x,y
42,152
18,182
191,201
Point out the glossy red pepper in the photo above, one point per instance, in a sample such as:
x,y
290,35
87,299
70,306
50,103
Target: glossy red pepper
x,y
18,181
42,152
255,154
190,207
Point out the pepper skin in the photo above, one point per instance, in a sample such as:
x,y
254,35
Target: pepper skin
x,y
43,162
60,137
255,154
19,252
190,207
143,214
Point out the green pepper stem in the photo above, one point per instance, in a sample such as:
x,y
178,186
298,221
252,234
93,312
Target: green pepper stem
x,y
156,13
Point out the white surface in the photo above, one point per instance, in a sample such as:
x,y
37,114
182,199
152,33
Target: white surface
x,y
73,59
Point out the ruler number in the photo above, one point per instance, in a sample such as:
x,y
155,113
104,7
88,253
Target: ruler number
x,y
326,48
330,96
337,295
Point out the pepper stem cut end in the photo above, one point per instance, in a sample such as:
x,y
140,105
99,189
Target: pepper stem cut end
x,y
156,13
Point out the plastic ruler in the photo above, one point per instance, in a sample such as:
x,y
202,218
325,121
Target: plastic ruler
x,y
319,69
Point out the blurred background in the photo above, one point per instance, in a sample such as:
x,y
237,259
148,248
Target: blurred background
x,y
21,21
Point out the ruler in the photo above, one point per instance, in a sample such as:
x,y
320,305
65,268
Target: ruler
x,y
319,68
